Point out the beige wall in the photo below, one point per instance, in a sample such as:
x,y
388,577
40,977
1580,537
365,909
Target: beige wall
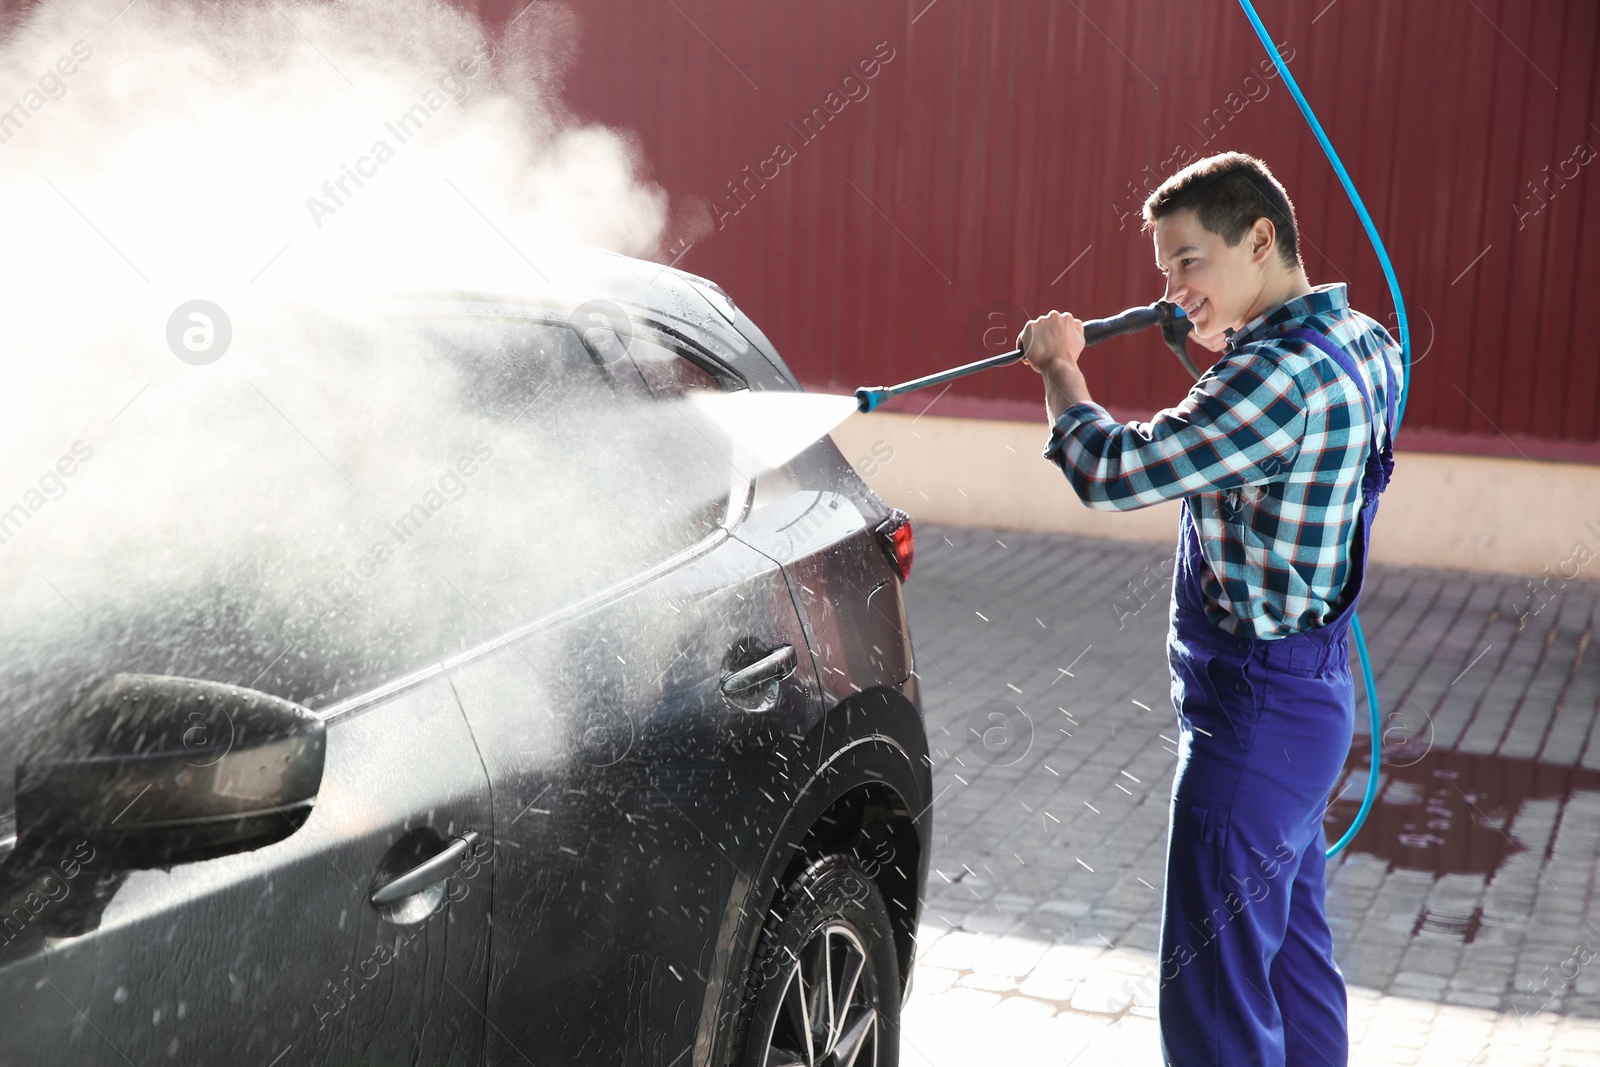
x,y
1467,512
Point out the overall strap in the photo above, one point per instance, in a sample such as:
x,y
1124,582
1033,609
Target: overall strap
x,y
1348,365
1380,461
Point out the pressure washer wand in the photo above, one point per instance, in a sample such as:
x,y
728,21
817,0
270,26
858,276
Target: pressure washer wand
x,y
1174,325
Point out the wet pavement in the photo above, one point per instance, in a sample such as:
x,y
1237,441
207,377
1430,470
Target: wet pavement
x,y
1461,912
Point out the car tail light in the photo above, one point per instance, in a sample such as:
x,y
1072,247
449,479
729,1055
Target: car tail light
x,y
897,541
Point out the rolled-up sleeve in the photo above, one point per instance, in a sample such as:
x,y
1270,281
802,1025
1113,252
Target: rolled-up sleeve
x,y
1241,424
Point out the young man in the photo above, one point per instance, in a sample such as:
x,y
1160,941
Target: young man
x,y
1278,453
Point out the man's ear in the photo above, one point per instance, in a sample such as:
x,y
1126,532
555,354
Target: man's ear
x,y
1263,239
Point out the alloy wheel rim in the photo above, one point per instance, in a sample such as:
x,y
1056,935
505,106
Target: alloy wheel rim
x,y
827,1016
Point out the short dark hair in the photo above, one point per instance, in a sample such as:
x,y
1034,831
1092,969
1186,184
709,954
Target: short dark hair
x,y
1228,192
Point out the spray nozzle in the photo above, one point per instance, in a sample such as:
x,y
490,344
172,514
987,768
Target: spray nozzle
x,y
867,399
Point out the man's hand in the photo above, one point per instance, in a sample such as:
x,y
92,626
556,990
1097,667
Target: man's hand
x,y
1051,345
1050,337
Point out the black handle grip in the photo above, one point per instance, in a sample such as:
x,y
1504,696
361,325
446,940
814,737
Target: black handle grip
x,y
1131,321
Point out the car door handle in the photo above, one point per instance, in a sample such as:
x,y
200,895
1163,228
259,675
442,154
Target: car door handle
x,y
775,665
429,872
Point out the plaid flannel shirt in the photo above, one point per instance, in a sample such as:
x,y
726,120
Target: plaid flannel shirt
x,y
1269,447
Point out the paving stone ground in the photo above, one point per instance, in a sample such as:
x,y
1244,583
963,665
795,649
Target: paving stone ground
x,y
1463,912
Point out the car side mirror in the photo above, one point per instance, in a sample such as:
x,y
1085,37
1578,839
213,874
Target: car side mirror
x,y
153,771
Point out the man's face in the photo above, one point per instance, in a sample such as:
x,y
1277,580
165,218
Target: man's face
x,y
1213,283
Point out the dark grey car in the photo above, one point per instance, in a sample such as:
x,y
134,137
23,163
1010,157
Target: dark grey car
x,y
614,757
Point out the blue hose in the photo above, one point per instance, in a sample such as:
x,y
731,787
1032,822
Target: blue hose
x,y
1405,389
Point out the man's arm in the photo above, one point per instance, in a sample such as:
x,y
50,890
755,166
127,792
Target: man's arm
x,y
1241,424
1064,389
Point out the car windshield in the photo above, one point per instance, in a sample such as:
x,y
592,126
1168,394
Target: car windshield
x,y
346,503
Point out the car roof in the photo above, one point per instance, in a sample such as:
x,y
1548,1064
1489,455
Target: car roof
x,y
691,309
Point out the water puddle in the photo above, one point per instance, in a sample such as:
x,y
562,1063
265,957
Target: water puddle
x,y
1448,812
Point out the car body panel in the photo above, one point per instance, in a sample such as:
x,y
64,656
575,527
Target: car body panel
x,y
623,779
240,958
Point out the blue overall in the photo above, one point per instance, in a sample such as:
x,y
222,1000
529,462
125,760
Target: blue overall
x,y
1247,970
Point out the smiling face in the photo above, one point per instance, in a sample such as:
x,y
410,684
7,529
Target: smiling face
x,y
1218,286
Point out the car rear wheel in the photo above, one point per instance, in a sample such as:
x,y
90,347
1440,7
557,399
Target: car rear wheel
x,y
824,990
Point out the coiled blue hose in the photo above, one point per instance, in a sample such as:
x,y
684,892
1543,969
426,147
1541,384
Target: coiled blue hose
x,y
1405,389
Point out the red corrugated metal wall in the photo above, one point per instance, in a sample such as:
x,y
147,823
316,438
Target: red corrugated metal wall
x,y
996,159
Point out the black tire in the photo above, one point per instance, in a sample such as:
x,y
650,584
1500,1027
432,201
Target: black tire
x,y
831,920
